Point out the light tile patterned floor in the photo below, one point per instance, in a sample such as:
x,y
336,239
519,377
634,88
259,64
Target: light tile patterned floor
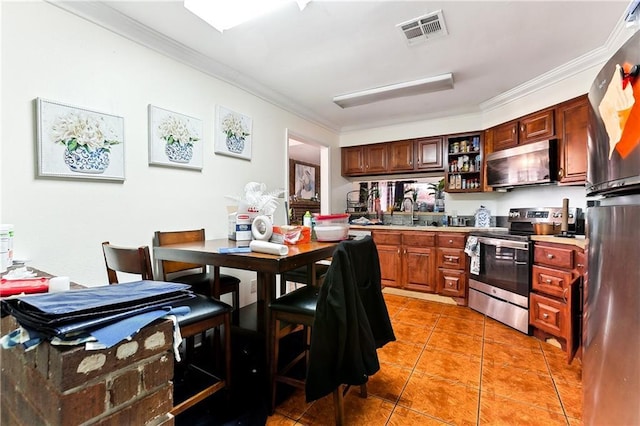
x,y
451,365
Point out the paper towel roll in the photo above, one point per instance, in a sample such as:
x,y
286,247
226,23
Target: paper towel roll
x,y
270,248
564,225
262,228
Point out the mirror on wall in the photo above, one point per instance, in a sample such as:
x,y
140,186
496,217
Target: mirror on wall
x,y
424,194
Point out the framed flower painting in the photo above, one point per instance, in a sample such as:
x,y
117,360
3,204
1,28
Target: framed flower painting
x,y
75,142
175,139
233,133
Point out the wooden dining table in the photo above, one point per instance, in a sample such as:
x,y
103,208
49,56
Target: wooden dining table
x,y
266,266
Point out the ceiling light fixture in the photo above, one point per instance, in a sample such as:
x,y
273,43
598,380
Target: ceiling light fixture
x,y
225,14
398,90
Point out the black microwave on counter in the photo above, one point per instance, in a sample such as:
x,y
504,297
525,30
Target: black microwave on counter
x,y
530,164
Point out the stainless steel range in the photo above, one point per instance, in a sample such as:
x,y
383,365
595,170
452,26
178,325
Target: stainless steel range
x,y
500,281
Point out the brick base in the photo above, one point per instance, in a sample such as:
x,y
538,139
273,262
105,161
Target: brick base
x,y
129,383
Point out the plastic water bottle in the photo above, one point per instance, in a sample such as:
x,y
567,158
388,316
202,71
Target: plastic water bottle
x,y
306,219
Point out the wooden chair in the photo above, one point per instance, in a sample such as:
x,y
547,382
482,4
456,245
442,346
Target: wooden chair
x,y
290,313
194,274
300,275
205,314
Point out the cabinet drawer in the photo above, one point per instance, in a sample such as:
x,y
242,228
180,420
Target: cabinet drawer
x,y
551,281
553,256
451,240
387,238
452,283
549,315
452,259
419,239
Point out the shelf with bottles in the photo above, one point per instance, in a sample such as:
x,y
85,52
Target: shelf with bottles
x,y
464,154
464,182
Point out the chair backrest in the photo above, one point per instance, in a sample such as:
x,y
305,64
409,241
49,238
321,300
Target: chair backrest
x,y
128,260
168,267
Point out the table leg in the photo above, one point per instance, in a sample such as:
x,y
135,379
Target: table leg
x,y
266,293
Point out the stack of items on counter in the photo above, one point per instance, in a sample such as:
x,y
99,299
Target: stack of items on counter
x,y
98,317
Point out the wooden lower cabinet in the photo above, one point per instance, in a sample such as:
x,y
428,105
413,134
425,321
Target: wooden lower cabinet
x,y
412,260
555,307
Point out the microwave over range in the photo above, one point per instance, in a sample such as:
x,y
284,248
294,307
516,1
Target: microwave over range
x,y
530,164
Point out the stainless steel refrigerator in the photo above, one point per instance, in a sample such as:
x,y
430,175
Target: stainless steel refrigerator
x,y
611,311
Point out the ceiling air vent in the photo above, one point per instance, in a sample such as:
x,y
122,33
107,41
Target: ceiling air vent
x,y
422,28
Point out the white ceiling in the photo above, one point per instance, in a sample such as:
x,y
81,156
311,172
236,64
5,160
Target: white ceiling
x,y
300,60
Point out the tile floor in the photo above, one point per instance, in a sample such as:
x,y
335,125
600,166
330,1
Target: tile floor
x,y
452,365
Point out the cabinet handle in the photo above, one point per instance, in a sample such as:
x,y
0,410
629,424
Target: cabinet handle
x,y
545,316
450,284
580,265
548,280
561,173
522,128
450,241
550,256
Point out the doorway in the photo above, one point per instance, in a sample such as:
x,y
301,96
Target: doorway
x,y
307,177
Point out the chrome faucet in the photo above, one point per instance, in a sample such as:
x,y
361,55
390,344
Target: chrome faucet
x,y
412,210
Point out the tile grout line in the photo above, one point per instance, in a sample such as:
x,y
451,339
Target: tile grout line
x,y
484,331
555,386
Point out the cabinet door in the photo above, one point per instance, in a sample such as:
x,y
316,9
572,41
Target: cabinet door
x,y
429,154
352,161
537,126
401,156
390,265
505,136
573,119
376,158
420,269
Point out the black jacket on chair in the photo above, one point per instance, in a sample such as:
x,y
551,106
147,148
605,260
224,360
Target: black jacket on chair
x,y
351,321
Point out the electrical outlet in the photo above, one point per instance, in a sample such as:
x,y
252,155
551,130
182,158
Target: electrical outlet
x,y
254,286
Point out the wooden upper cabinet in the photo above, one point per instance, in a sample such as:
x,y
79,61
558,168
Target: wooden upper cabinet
x,y
376,158
573,121
530,128
364,160
428,154
401,156
353,160
505,136
537,126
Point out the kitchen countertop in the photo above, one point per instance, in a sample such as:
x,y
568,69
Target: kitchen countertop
x,y
578,241
421,228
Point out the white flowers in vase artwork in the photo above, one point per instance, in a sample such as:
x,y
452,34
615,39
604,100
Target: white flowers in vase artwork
x,y
173,138
179,138
87,140
236,133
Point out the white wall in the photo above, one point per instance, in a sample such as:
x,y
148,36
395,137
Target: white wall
x,y
59,224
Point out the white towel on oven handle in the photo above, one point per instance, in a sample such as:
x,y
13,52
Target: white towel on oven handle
x,y
472,248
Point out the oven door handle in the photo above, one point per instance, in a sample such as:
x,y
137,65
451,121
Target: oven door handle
x,y
518,245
